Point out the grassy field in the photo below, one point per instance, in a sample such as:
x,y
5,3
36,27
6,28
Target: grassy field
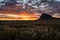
x,y
30,30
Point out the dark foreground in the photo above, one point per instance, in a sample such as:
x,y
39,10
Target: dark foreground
x,y
30,30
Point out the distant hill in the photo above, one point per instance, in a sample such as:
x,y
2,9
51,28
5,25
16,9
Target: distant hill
x,y
45,16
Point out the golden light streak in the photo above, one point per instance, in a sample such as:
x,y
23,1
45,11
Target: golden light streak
x,y
23,15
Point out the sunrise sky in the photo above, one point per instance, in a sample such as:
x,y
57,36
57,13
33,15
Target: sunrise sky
x,y
25,14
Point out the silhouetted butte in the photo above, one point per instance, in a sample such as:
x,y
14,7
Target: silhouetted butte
x,y
46,16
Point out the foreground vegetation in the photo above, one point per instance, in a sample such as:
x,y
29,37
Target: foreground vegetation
x,y
30,30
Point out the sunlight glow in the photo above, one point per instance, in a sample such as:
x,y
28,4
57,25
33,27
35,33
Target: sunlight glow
x,y
20,16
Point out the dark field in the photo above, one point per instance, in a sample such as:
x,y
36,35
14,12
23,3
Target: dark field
x,y
30,30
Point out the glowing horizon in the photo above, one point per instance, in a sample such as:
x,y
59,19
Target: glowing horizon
x,y
20,16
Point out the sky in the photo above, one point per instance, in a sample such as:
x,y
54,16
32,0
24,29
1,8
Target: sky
x,y
22,15
57,0
1,0
25,0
